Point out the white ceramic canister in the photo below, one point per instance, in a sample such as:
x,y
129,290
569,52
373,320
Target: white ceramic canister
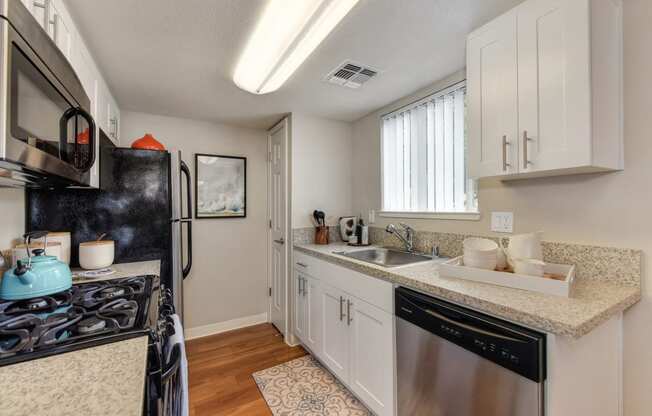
x,y
20,251
62,237
95,255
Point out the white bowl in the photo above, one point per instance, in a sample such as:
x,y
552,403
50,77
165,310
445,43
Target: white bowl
x,y
480,263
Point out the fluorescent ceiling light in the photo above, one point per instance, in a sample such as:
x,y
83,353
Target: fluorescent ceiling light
x,y
287,33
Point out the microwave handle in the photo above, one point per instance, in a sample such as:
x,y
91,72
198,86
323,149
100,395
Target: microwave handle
x,y
63,139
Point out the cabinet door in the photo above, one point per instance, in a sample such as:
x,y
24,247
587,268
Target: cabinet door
x,y
492,98
372,355
312,308
335,340
60,29
299,307
554,84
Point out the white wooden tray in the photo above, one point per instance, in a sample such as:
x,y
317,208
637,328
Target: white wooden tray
x,y
455,268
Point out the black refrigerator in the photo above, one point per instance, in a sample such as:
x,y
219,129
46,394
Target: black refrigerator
x,y
143,204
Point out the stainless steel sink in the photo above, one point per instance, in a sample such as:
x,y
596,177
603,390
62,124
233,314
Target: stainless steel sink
x,y
388,257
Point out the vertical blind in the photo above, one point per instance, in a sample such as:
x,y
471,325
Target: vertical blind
x,y
424,155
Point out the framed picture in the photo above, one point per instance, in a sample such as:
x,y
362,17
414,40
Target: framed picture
x,y
220,186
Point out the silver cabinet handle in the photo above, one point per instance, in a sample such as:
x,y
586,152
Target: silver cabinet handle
x,y
299,285
46,16
505,144
305,283
526,139
55,28
280,241
349,319
341,308
302,264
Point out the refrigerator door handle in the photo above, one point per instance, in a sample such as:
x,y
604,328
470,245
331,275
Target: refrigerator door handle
x,y
186,269
186,171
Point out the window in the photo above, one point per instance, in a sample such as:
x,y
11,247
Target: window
x,y
424,156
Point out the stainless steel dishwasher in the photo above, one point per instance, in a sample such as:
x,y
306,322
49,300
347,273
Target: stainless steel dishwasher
x,y
456,362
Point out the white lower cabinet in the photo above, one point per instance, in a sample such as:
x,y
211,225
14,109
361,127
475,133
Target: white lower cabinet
x,y
335,345
307,313
348,333
371,349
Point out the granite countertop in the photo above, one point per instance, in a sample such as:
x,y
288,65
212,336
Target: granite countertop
x,y
593,301
104,380
123,270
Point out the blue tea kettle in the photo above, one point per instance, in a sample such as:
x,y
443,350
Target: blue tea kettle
x,y
36,275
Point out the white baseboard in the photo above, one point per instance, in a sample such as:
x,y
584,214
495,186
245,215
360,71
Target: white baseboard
x,y
217,328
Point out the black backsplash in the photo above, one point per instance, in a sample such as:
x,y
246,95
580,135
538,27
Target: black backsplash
x,y
132,208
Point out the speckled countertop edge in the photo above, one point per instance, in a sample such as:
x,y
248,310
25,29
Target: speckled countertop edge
x,y
124,270
107,380
593,301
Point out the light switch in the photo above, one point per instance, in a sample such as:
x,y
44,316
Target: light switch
x,y
372,216
502,222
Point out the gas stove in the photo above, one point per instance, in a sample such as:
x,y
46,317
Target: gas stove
x,y
86,315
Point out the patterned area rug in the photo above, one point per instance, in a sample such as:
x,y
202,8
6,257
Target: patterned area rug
x,y
302,387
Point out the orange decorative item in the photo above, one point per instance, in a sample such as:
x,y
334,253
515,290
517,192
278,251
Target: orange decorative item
x,y
147,142
82,138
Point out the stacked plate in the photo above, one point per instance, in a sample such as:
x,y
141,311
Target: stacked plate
x,y
480,253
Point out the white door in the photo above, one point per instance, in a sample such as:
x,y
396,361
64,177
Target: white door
x,y
335,332
554,84
278,139
371,374
300,306
313,319
493,98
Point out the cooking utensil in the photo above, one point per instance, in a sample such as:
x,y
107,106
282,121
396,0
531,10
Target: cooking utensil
x,y
315,215
36,275
97,254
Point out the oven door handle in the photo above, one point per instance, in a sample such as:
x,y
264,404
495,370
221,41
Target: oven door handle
x,y
172,366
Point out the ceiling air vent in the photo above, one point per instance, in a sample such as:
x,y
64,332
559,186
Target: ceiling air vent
x,y
351,75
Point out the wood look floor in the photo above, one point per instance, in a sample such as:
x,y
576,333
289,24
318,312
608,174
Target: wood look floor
x,y
220,368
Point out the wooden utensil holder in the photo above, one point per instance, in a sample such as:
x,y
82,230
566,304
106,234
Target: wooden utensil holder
x,y
321,235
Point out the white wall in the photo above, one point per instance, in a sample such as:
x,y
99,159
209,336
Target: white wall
x,y
229,277
321,169
606,209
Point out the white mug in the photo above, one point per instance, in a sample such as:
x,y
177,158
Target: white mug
x,y
525,246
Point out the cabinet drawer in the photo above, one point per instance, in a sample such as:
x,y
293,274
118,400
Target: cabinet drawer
x,y
370,289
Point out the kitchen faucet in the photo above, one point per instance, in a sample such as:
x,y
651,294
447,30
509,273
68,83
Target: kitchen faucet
x,y
408,239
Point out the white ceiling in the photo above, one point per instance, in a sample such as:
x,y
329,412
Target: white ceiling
x,y
176,57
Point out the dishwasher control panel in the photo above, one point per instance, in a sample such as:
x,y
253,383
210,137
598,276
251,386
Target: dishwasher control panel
x,y
511,346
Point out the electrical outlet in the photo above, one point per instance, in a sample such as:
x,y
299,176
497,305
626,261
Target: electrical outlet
x,y
502,222
372,216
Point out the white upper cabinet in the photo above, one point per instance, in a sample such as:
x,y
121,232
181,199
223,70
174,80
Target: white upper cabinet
x,y
553,69
493,98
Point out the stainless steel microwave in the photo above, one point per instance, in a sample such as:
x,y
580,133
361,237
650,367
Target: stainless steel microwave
x,y
47,135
